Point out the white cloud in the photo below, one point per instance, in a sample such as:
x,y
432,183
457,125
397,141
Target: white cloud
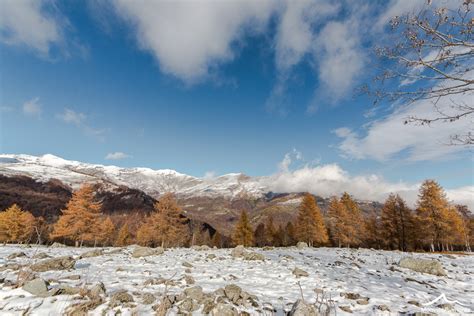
x,y
330,179
32,107
70,116
78,119
289,158
340,58
210,175
189,38
117,156
25,22
389,137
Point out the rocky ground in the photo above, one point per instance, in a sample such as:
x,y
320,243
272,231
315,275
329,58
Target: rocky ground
x,y
274,281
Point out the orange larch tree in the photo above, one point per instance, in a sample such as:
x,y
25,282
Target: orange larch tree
x,y
16,225
80,220
123,236
243,233
354,220
106,232
432,214
165,226
396,220
310,226
338,218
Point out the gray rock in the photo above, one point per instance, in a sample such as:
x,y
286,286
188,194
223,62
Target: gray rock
x,y
423,265
187,264
148,299
97,290
232,292
253,256
41,255
300,272
139,252
189,279
57,245
363,301
92,253
61,263
120,297
194,293
238,251
223,309
301,245
383,308
16,255
67,290
211,256
301,308
38,287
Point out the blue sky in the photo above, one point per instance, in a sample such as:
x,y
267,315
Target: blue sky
x,y
211,89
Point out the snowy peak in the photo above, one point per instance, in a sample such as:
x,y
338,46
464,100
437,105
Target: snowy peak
x,y
152,182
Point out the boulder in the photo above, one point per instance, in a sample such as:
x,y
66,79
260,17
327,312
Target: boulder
x,y
301,245
97,290
189,279
187,264
61,263
148,299
423,265
120,297
139,252
38,287
194,293
92,253
41,255
232,292
223,309
57,245
253,256
300,308
300,272
16,255
238,251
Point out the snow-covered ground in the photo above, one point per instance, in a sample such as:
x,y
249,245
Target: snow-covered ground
x,y
370,273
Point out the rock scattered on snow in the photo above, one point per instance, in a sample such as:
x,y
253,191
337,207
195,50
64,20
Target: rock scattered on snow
x,y
300,308
38,287
61,263
92,253
58,245
139,252
300,272
240,252
301,245
423,265
16,255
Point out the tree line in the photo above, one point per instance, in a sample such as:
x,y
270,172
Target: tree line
x,y
434,224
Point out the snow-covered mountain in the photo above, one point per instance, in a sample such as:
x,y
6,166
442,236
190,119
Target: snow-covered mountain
x,y
152,182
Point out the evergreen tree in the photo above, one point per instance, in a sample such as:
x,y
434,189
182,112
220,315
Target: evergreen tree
x,y
396,219
310,226
80,220
338,218
16,225
432,213
123,236
243,233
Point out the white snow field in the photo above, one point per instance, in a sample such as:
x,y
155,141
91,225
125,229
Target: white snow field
x,y
345,276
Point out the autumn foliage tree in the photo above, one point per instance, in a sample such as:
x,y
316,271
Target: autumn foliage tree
x,y
338,218
310,226
16,225
243,233
106,233
354,220
80,221
165,226
396,223
123,236
432,214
